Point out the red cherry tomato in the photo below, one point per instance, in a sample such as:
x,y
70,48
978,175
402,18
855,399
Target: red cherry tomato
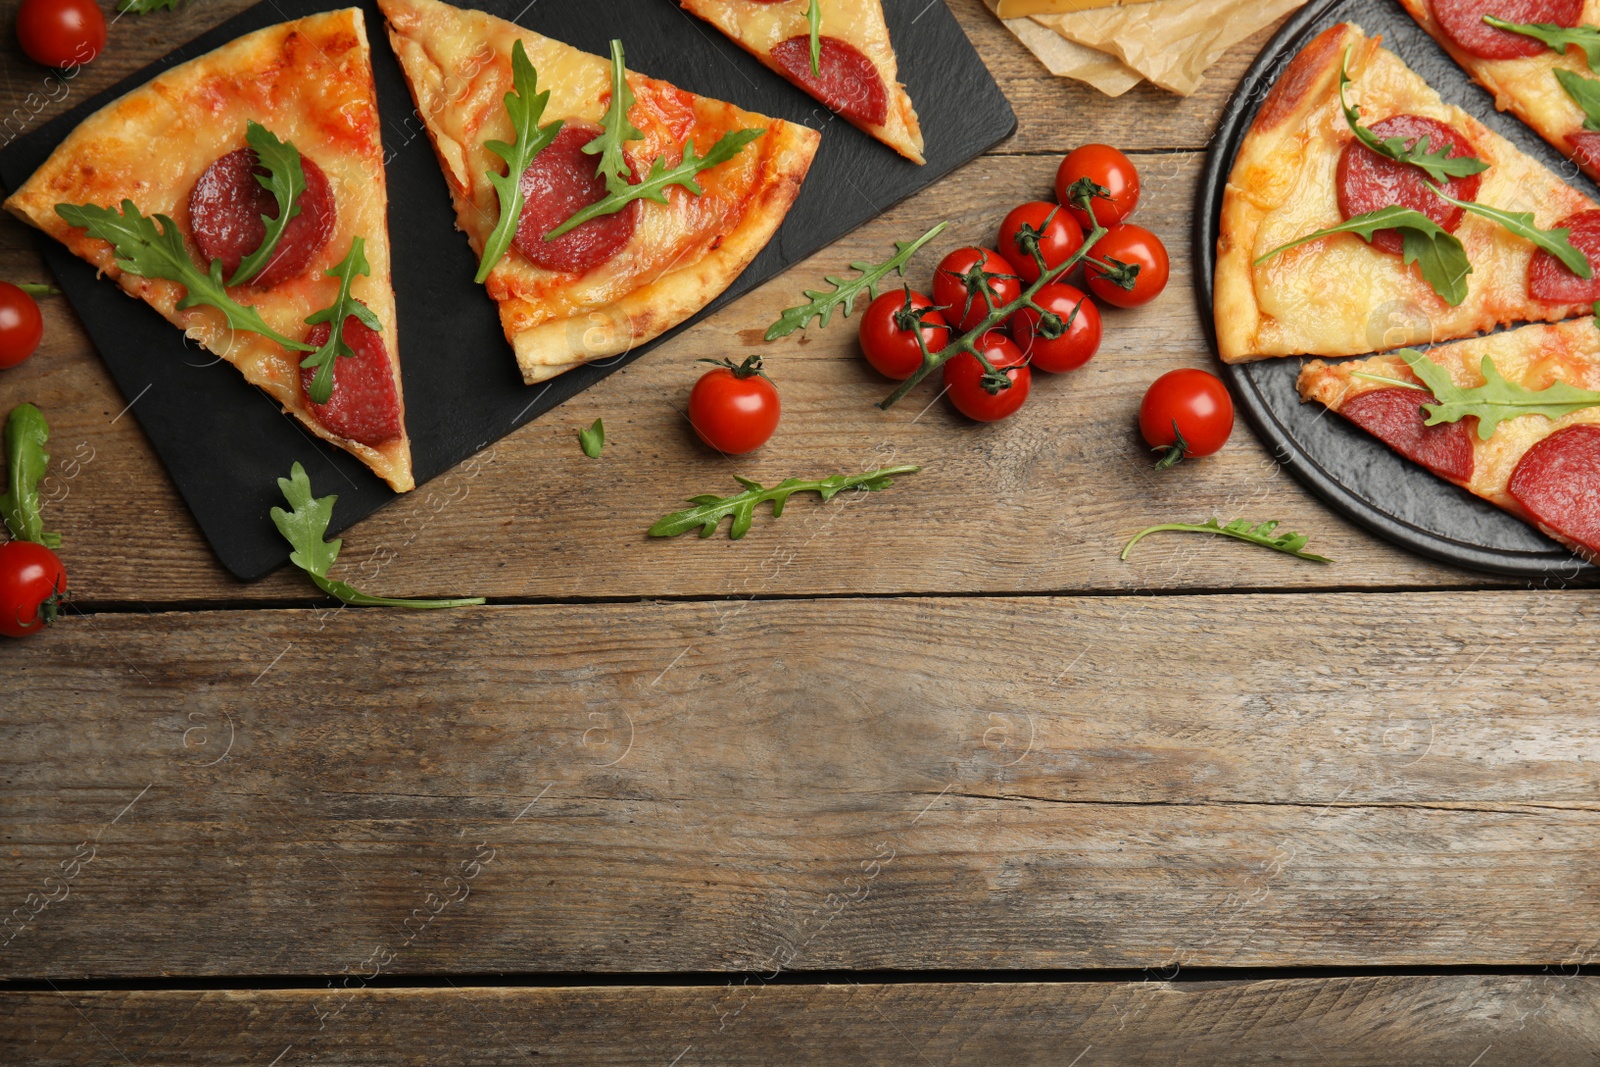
x,y
1190,403
734,409
961,279
963,379
1076,328
1054,229
61,33
32,582
21,326
889,332
1137,246
1107,168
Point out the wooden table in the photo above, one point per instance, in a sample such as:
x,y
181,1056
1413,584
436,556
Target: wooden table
x,y
926,776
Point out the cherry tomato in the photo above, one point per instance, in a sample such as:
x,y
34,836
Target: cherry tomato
x,y
1187,412
21,326
1136,246
1107,168
963,379
889,332
32,582
61,33
960,280
1076,328
734,408
1057,233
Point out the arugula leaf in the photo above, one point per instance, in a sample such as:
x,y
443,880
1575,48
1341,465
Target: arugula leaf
x,y
844,292
1556,37
616,129
525,104
1263,534
1439,165
38,289
144,7
593,439
661,178
305,527
1522,224
814,20
26,464
285,180
1438,253
709,510
1496,400
1585,92
153,248
343,306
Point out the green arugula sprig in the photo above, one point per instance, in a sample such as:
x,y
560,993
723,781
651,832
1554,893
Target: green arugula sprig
x,y
26,464
1585,92
38,289
285,180
1521,223
153,248
343,306
144,7
709,510
1438,164
1556,37
615,128
593,439
305,527
845,293
1264,534
1496,400
525,104
1439,254
661,178
814,21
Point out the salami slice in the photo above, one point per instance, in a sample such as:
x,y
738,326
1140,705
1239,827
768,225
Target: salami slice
x,y
364,406
1462,21
1396,418
1548,277
849,84
1584,149
225,210
1558,482
560,182
1370,182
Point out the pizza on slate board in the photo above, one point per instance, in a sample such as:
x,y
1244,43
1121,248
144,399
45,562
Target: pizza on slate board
x,y
1363,214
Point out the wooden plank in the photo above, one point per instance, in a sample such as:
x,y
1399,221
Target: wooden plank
x,y
1051,494
1424,1022
1334,779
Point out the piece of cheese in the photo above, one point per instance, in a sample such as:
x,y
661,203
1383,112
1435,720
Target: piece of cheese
x,y
1016,9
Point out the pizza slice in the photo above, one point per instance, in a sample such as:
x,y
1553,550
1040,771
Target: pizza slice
x,y
1527,435
1366,215
637,203
853,71
242,195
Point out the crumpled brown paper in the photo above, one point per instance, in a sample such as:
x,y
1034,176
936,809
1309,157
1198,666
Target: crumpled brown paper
x,y
1169,42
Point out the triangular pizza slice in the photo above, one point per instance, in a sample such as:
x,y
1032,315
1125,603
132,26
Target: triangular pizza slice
x,y
853,72
574,290
176,192
1541,463
1474,246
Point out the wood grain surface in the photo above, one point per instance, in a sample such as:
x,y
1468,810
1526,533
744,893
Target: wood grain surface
x,y
1422,1022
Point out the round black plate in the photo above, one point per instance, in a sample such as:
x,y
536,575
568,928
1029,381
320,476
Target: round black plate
x,y
1353,472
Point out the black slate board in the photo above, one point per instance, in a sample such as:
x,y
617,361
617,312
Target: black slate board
x,y
1353,472
225,443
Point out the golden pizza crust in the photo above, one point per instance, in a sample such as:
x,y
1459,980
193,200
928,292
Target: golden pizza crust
x,y
1338,295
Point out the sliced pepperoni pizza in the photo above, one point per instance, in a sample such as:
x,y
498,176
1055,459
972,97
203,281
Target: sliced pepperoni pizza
x,y
1545,470
176,191
1286,285
616,279
855,70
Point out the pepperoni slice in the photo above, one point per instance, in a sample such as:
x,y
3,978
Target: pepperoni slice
x,y
1558,482
364,406
560,182
1395,417
1370,182
225,209
1584,148
849,84
1548,277
1462,21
